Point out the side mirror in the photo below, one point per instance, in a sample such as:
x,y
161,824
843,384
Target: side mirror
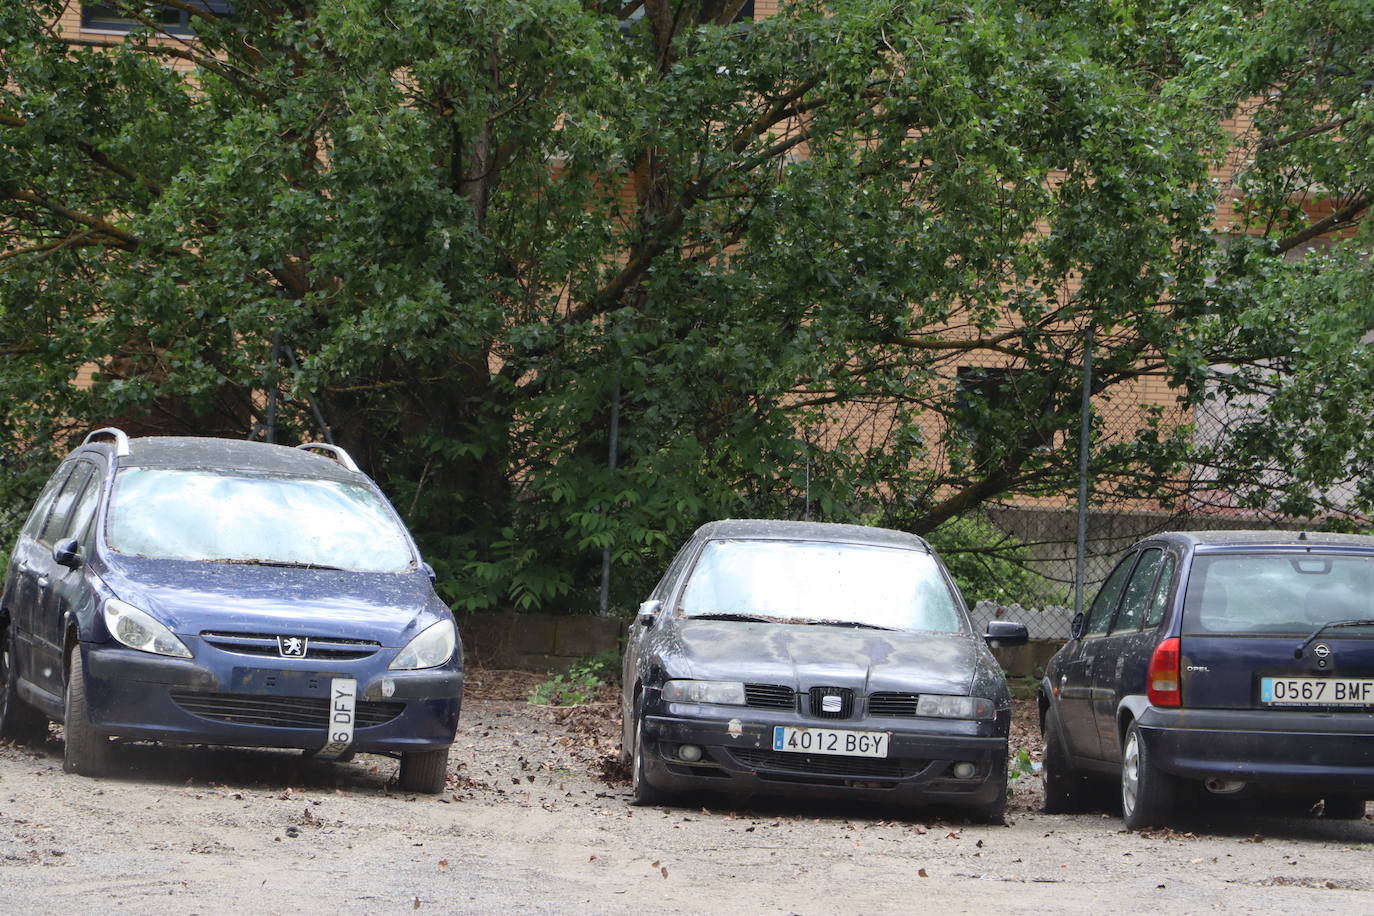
x,y
1077,625
429,571
67,552
1003,633
648,612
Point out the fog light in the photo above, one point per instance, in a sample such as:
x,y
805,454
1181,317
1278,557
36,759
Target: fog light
x,y
388,687
689,752
964,770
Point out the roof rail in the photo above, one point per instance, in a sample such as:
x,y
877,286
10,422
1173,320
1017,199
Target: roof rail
x,y
334,451
118,436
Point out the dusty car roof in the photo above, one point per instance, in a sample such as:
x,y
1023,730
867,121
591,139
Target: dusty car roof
x,y
810,531
1244,538
231,454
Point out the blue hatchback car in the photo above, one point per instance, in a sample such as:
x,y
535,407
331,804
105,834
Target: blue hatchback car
x,y
224,592
1235,662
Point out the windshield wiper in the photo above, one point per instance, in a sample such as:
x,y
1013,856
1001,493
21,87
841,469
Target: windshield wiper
x,y
284,564
856,624
726,615
1357,622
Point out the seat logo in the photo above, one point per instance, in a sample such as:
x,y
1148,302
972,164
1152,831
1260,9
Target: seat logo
x,y
831,703
291,646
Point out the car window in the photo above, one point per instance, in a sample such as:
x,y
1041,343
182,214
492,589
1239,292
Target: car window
x,y
1138,592
1100,615
59,519
819,582
43,505
1278,593
184,514
1160,602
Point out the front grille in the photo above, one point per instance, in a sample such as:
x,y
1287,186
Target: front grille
x,y
828,764
279,712
769,696
845,696
322,647
901,705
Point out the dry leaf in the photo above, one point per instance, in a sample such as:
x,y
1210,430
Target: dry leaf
x,y
443,865
664,870
922,873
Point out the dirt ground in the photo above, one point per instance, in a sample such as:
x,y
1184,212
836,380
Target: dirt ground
x,y
536,820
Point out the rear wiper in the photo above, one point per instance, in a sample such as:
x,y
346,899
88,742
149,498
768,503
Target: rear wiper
x,y
858,625
1358,622
725,615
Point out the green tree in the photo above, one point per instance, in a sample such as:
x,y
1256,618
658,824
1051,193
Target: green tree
x,y
451,234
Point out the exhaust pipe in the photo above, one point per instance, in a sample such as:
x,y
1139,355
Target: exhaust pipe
x,y
1218,786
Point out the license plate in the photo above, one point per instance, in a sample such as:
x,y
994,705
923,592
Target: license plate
x,y
343,698
1317,691
830,741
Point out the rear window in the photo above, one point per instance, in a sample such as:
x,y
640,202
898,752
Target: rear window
x,y
1282,593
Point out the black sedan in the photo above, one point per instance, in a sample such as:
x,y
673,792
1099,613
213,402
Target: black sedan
x,y
1239,662
815,659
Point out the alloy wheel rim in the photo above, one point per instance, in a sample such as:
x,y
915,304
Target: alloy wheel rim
x,y
1130,775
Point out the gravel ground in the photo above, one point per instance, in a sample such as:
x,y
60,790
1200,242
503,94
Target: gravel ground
x,y
535,819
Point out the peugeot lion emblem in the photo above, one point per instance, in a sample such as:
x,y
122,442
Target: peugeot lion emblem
x,y
291,646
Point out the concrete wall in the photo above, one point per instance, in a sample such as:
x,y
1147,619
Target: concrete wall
x,y
548,642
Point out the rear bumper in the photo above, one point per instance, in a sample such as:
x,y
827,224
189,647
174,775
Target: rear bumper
x,y
137,695
738,758
1286,749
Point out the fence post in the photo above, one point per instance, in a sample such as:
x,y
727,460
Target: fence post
x,y
1084,446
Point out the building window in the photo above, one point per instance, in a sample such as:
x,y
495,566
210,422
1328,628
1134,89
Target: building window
x,y
115,17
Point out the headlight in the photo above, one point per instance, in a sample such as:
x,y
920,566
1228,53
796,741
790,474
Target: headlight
x,y
944,707
138,630
431,648
730,693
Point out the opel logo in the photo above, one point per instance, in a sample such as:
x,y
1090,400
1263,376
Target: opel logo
x,y
1322,650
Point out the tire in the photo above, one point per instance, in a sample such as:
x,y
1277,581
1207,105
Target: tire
x,y
1147,793
642,793
18,720
424,771
1343,808
87,753
994,812
1066,790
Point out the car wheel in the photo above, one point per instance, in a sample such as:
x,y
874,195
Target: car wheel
x,y
424,771
1147,793
1066,790
1343,807
642,793
18,720
87,752
995,811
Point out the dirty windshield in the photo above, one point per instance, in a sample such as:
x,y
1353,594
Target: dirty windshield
x,y
814,582
273,521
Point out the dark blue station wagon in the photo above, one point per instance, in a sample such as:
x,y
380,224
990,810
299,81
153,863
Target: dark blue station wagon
x,y
214,591
1239,662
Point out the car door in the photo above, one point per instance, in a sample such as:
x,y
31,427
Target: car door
x,y
1075,676
57,583
22,591
1121,648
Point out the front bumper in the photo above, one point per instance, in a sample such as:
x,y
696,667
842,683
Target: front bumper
x,y
221,699
738,758
1286,749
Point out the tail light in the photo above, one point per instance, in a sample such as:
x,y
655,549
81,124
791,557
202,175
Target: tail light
x,y
1165,686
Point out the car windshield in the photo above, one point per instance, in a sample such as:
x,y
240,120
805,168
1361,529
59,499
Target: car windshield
x,y
1287,593
814,582
238,518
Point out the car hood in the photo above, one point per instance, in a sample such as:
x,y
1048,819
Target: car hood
x,y
802,657
190,598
